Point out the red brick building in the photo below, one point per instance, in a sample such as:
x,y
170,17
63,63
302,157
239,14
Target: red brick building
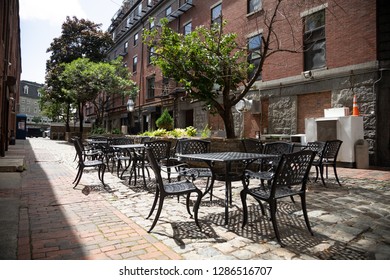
x,y
10,69
336,49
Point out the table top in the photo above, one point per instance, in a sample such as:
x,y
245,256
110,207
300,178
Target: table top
x,y
128,146
96,141
226,156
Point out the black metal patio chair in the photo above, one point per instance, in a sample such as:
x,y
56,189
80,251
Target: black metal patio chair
x,y
85,163
196,146
184,187
327,158
288,180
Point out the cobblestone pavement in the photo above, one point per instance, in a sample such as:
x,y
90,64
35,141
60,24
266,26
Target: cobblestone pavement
x,y
59,222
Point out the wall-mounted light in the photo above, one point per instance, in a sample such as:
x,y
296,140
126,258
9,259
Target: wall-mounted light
x,y
307,74
130,105
244,105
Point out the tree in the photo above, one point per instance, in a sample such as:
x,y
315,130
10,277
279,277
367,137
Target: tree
x,y
83,80
79,39
211,64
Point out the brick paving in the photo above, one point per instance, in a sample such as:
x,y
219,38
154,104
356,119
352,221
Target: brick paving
x,y
59,222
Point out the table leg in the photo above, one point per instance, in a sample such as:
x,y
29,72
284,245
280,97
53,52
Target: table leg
x,y
228,186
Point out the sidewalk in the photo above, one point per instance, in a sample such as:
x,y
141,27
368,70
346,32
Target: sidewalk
x,y
56,221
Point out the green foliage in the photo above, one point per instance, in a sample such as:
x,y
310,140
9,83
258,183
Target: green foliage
x,y
206,132
36,119
190,131
79,38
201,60
98,130
165,121
176,133
160,132
116,131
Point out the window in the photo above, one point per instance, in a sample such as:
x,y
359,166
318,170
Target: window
x,y
187,28
150,87
216,14
25,89
135,61
254,6
151,24
165,89
150,3
136,37
254,48
168,11
314,41
125,46
150,54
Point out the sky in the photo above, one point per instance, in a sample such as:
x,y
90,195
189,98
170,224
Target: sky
x,y
41,21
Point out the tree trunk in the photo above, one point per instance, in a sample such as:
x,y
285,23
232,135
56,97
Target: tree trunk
x,y
67,119
81,117
228,120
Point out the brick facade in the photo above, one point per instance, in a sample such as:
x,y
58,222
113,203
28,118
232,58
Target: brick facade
x,y
286,96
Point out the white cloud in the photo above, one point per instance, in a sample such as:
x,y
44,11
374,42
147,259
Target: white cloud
x,y
54,12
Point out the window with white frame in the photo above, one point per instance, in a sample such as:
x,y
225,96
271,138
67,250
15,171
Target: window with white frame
x,y
254,53
136,37
314,40
25,89
254,6
125,46
216,14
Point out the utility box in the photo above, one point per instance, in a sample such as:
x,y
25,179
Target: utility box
x,y
21,127
347,129
361,154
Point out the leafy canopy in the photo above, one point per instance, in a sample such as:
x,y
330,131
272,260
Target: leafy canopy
x,y
199,60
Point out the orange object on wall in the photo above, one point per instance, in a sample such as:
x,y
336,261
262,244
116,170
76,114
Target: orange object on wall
x,y
355,109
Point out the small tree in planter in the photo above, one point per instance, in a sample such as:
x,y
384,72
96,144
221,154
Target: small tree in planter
x,y
165,121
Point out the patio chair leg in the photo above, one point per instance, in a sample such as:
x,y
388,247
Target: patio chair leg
x,y
154,203
304,210
78,177
322,175
335,174
160,206
102,169
188,204
196,208
273,220
244,208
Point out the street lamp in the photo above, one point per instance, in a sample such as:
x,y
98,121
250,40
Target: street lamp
x,y
130,109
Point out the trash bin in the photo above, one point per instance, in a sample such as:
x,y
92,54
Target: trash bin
x,y
361,154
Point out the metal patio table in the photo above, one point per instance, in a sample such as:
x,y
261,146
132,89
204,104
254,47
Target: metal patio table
x,y
227,158
134,159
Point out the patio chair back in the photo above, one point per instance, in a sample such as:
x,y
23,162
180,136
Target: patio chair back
x,y
193,146
278,148
160,148
252,145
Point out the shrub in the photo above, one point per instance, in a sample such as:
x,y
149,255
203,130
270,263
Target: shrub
x,y
98,130
116,131
190,131
165,121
